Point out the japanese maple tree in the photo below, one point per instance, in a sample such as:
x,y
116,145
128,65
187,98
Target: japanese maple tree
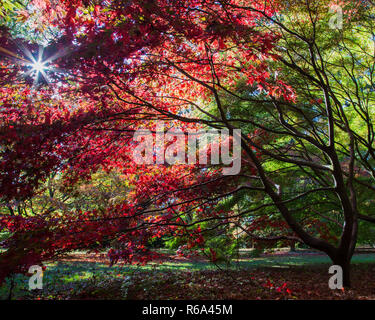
x,y
112,67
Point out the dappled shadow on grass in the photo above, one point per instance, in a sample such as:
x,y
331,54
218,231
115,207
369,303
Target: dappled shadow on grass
x,y
90,280
257,283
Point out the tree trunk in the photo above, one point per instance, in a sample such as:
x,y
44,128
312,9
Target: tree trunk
x,y
292,246
344,263
11,287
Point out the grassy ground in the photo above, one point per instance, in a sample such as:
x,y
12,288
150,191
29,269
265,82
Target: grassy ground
x,y
89,278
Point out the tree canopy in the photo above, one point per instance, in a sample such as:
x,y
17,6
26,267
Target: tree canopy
x,y
79,78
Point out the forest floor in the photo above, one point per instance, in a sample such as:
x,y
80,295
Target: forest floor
x,y
280,275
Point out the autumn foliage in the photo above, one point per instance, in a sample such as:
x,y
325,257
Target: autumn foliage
x,y
113,67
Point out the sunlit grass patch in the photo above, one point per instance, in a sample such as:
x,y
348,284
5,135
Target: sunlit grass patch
x,y
87,280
